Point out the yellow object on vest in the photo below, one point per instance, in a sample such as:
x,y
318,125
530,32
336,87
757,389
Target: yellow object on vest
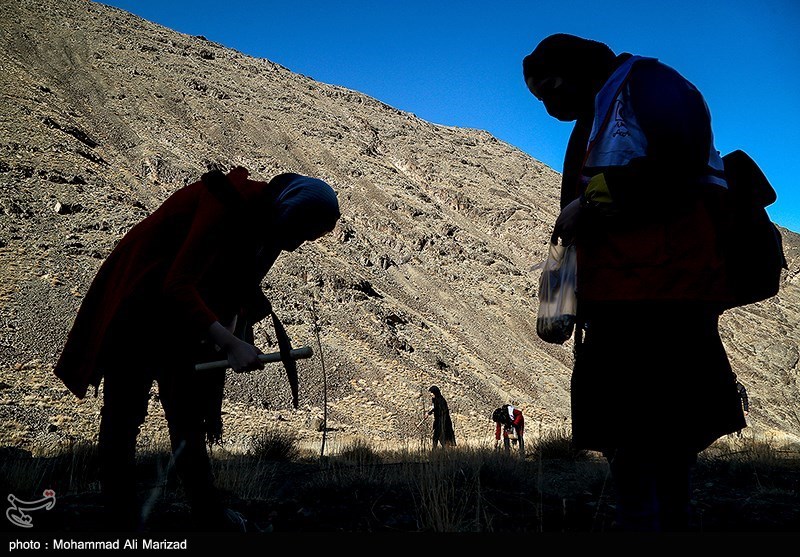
x,y
597,190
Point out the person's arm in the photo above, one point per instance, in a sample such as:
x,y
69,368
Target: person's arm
x,y
518,421
242,356
256,305
203,242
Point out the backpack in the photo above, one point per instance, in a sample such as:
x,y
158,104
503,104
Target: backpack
x,y
500,415
753,246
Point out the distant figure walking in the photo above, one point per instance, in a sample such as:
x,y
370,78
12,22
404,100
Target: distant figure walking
x,y
183,287
510,421
443,432
740,388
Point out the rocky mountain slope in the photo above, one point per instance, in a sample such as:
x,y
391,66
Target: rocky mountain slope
x,y
426,280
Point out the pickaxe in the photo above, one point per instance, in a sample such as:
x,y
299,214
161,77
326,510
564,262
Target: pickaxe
x,y
288,359
295,354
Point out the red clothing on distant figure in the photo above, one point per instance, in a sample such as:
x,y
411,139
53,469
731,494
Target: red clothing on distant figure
x,y
517,421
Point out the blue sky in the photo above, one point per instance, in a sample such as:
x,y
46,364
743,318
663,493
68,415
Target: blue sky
x,y
458,63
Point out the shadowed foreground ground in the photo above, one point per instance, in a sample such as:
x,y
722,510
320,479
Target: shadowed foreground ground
x,y
750,490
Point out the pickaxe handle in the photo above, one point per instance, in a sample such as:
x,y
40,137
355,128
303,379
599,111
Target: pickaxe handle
x,y
296,354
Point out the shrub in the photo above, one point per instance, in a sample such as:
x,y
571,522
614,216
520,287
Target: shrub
x,y
556,443
273,444
360,452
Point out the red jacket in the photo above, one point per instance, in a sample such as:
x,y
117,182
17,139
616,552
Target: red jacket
x,y
517,422
188,264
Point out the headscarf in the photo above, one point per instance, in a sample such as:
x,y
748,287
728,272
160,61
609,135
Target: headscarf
x,y
297,205
569,57
306,208
586,65
306,205
302,206
500,415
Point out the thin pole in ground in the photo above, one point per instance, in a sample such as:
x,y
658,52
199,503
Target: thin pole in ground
x,y
316,328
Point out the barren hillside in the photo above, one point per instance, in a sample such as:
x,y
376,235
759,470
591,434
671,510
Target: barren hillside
x,y
426,280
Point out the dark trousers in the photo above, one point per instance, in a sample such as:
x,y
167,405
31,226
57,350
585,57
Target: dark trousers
x,y
520,442
440,440
443,435
126,391
653,489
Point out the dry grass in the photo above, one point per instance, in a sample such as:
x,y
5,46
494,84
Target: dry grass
x,y
360,488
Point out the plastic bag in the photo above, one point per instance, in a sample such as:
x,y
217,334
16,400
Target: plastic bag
x,y
557,300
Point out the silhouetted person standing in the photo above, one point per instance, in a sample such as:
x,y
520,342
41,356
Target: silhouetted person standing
x,y
740,388
640,197
443,432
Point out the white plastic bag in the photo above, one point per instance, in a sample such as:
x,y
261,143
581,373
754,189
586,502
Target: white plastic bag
x,y
557,300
